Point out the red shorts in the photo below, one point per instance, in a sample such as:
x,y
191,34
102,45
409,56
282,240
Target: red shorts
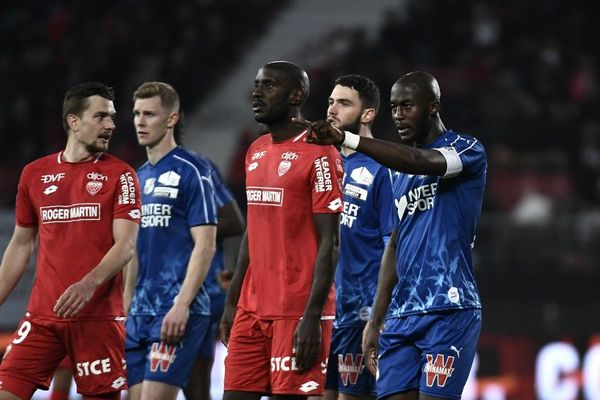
x,y
38,346
259,358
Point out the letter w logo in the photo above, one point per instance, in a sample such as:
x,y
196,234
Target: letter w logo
x,y
350,368
162,355
439,369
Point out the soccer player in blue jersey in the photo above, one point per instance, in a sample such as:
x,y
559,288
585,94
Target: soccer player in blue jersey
x,y
231,224
170,311
426,290
365,228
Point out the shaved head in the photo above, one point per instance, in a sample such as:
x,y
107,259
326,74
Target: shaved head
x,y
294,73
423,83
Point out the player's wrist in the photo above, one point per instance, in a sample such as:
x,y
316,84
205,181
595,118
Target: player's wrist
x,y
350,140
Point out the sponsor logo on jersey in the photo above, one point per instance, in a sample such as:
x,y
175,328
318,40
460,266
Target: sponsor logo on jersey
x,y
96,367
149,185
70,213
284,167
349,214
264,196
53,177
252,166
97,176
362,175
258,155
285,364
127,195
335,205
421,198
50,189
323,175
170,178
355,191
169,192
438,370
350,368
93,187
156,214
289,155
309,386
161,355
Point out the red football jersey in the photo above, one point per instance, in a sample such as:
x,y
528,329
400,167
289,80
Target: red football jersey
x,y
73,205
286,183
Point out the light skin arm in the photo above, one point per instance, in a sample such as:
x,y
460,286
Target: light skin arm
x,y
130,273
15,260
385,284
76,296
307,337
235,288
173,326
397,156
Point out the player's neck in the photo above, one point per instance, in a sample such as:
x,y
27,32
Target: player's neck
x,y
157,151
285,131
75,153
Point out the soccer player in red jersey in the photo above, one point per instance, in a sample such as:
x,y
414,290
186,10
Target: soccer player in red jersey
x,y
83,207
280,305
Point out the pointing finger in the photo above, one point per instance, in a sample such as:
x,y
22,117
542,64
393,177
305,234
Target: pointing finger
x,y
302,121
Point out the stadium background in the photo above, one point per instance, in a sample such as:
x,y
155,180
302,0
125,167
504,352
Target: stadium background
x,y
522,76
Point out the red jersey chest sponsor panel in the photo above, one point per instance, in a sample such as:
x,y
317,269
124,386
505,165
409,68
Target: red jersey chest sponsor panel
x,y
73,206
286,183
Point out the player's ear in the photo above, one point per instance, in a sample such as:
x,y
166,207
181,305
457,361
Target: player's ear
x,y
434,107
173,119
73,122
297,96
368,115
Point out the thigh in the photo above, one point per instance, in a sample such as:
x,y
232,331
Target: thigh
x,y
448,350
34,351
248,364
173,363
285,378
97,350
353,377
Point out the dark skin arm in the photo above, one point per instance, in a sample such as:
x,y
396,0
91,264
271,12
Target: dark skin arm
x,y
307,337
397,156
233,294
385,284
231,223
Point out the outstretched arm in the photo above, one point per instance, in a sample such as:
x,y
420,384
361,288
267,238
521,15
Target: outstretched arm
x,y
15,259
76,296
396,156
307,337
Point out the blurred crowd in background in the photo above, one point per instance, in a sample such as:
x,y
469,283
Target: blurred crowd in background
x,y
521,76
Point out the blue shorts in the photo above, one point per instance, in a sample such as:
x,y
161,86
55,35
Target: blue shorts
x,y
217,305
150,359
432,353
346,370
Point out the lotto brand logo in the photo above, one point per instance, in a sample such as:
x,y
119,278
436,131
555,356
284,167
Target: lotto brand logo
x,y
161,355
52,177
96,367
350,368
252,166
50,189
97,176
117,383
438,370
309,386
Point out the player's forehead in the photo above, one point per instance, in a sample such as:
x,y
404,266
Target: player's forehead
x,y
405,91
340,92
99,104
153,103
271,75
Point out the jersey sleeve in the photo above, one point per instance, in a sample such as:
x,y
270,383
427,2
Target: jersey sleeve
x,y
199,196
25,212
326,172
465,156
128,199
384,200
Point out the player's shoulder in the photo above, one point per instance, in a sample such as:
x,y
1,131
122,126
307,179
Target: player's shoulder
x,y
189,161
461,141
41,164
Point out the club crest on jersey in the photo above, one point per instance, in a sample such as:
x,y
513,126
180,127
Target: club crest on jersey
x,y
93,187
284,167
161,355
438,370
350,368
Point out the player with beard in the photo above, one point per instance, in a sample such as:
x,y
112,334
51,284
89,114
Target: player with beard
x,y
365,228
426,282
281,294
83,206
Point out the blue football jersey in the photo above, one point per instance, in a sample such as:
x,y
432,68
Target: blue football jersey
x,y
177,194
367,219
437,218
